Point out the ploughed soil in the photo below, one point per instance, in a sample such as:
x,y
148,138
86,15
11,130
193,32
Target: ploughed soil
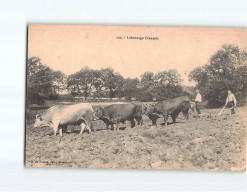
x,y
210,142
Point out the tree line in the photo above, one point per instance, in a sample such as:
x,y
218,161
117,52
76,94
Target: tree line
x,y
44,83
226,69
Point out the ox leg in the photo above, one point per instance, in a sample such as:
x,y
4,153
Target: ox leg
x,y
108,123
165,118
154,121
186,113
139,121
117,126
64,128
174,117
61,131
89,128
118,123
55,128
82,126
89,125
132,122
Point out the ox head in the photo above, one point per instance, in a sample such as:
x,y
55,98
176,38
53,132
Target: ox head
x,y
39,122
148,109
98,113
185,111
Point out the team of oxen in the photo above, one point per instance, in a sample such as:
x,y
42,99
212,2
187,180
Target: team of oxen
x,y
83,114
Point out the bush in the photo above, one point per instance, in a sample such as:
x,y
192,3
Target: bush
x,y
53,96
35,99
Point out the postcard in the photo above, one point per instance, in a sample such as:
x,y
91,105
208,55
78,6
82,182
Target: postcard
x,y
136,97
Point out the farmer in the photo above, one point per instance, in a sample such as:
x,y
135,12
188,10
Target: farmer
x,y
198,101
231,101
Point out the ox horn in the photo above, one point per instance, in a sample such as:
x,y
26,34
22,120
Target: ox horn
x,y
95,117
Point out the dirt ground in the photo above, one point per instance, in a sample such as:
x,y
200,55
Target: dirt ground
x,y
207,143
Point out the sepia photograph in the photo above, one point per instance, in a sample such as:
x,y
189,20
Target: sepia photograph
x,y
136,97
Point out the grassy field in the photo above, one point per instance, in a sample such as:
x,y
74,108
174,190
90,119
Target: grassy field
x,y
205,143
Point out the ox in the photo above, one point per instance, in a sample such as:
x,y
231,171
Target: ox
x,y
170,107
60,116
119,113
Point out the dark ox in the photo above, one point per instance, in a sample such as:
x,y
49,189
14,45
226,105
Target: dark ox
x,y
60,116
119,113
170,107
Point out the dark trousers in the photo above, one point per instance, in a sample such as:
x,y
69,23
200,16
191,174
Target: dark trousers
x,y
198,107
231,106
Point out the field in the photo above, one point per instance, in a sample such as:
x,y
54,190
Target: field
x,y
210,142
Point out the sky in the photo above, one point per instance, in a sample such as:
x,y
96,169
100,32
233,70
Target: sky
x,y
69,48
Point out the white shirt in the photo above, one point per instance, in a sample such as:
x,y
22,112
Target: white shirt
x,y
198,98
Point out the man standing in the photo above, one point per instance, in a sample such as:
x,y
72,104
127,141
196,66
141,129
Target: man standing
x,y
231,101
198,101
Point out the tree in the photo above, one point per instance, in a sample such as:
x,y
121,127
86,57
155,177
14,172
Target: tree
x,y
112,82
171,77
59,81
130,88
98,85
104,82
40,81
144,95
82,82
147,80
118,92
226,70
160,86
